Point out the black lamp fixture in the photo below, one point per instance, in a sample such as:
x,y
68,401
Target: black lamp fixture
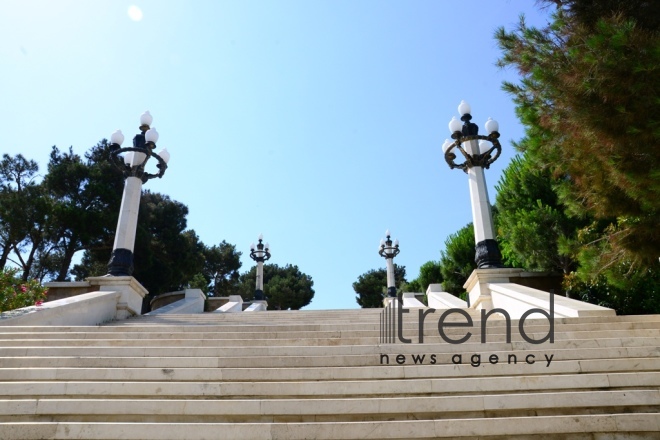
x,y
389,249
132,162
260,253
478,156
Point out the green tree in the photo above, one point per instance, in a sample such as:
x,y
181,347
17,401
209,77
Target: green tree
x,y
371,287
429,273
17,197
457,260
589,100
285,288
221,266
86,194
534,229
634,291
167,255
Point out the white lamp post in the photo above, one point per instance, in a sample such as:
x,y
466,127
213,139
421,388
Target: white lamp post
x,y
132,165
478,155
389,250
260,253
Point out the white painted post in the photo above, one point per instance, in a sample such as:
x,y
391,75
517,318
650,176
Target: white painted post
x,y
260,276
482,217
128,214
390,273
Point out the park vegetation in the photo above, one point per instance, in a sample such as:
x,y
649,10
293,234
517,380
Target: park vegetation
x,y
582,198
45,222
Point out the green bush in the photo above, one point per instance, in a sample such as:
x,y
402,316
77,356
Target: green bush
x,y
16,293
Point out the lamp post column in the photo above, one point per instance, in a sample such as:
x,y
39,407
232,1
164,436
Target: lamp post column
x,y
389,250
121,261
482,217
478,156
260,253
132,165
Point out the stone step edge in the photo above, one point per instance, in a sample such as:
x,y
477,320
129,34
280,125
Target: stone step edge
x,y
443,386
374,372
282,350
446,428
409,322
240,321
414,357
374,340
325,407
423,355
268,334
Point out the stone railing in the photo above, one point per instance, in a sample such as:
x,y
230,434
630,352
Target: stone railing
x,y
192,302
87,309
234,305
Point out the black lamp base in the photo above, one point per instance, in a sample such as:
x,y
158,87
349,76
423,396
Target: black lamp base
x,y
121,263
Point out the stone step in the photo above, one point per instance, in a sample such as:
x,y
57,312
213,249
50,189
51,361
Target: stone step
x,y
132,338
324,346
375,372
212,350
329,409
237,321
636,425
374,340
493,328
328,389
422,354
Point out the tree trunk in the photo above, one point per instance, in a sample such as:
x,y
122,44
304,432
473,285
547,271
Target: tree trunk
x,y
66,261
4,256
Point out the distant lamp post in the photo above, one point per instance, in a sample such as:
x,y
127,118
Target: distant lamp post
x,y
260,253
389,250
132,165
478,155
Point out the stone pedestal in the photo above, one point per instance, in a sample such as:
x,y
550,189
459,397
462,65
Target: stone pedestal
x,y
132,293
477,285
257,306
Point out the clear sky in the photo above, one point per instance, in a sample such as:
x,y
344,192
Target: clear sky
x,y
316,123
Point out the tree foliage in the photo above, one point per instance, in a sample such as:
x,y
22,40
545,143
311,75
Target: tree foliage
x,y
371,287
457,259
85,198
589,100
22,212
583,198
429,273
221,266
285,288
74,208
534,229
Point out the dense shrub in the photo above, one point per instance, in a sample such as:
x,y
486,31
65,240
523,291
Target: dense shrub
x,y
16,293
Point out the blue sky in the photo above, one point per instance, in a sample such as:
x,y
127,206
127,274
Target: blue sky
x,y
316,123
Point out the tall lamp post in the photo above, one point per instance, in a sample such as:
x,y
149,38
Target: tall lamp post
x,y
132,165
389,250
260,253
477,155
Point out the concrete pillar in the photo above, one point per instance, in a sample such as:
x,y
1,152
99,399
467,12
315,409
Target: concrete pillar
x,y
487,252
121,262
482,217
259,292
391,284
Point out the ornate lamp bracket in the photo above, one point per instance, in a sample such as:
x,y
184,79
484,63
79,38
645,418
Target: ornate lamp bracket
x,y
473,160
138,170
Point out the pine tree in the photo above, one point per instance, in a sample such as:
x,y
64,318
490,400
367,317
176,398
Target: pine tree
x,y
589,100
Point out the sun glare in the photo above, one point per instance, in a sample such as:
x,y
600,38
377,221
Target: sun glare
x,y
134,13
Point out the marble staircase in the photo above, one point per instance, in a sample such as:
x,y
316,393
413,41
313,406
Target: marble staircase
x,y
327,375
